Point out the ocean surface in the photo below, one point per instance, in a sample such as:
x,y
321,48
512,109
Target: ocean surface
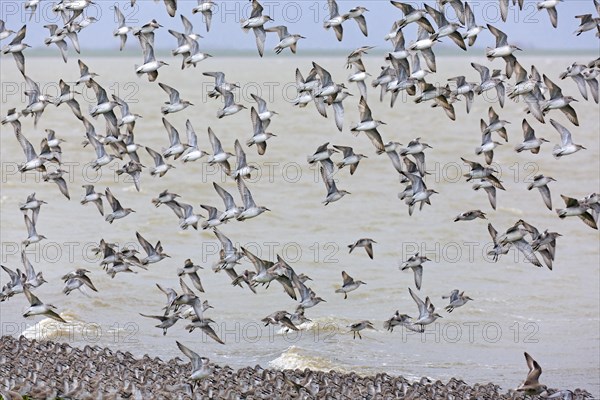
x,y
553,315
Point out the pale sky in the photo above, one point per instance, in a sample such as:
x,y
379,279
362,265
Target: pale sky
x,y
529,28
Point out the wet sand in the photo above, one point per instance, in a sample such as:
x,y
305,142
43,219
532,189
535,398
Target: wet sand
x,y
56,370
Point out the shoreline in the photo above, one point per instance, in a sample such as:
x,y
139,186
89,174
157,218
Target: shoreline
x,y
48,369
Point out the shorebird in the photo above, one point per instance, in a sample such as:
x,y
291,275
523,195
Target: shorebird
x,y
368,125
424,44
335,20
427,314
57,177
166,321
567,146
205,7
308,298
256,22
30,279
321,154
67,96
185,213
176,148
420,193
118,210
14,286
133,169
359,76
200,366
184,45
349,284
398,319
241,168
478,171
122,28
164,197
147,29
532,386
154,253
214,217
204,325
350,158
416,148
490,189
16,47
77,280
499,248
264,272
285,38
195,55
85,76
103,105
472,28
559,102
356,14
57,36
150,65
574,207
12,117
36,307
487,144
190,269
229,254
413,15
575,71
495,124
32,235
251,210
356,327
220,83
541,183
230,107
515,235
470,215
464,88
32,204
446,28
502,49
160,167
37,101
489,82
192,152
456,300
174,104
127,117
530,141
586,23
4,32
231,210
416,264
504,8
279,318
366,243
264,113
333,194
259,137
550,6
219,155
32,160
91,196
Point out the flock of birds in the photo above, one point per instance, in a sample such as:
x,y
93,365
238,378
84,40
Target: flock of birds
x,y
48,370
403,71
